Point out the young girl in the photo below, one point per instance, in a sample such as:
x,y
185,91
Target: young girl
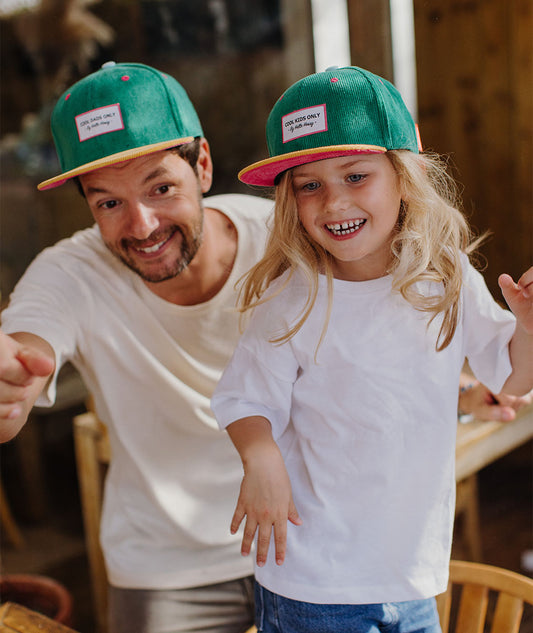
x,y
341,397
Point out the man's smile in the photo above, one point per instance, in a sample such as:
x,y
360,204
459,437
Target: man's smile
x,y
151,245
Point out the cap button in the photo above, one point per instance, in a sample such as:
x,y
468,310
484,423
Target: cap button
x,y
109,64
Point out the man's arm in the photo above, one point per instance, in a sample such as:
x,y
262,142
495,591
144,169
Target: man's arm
x,y
26,363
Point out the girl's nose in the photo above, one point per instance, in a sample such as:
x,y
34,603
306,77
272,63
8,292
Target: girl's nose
x,y
335,199
143,221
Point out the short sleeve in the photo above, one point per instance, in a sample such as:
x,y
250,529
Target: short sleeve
x,y
259,377
488,329
47,302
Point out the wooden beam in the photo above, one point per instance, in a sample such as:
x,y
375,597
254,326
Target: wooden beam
x,y
370,36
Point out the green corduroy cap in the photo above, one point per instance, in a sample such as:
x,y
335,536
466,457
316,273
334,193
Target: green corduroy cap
x,y
120,112
338,112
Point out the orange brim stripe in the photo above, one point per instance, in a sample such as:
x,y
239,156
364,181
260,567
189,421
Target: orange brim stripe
x,y
113,159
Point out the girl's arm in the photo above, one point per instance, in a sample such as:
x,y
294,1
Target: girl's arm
x,y
519,297
265,496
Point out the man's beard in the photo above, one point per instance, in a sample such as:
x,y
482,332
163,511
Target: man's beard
x,y
189,247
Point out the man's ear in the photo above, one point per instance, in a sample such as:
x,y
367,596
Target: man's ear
x,y
204,166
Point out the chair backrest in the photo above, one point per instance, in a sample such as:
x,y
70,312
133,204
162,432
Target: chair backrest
x,y
483,595
93,455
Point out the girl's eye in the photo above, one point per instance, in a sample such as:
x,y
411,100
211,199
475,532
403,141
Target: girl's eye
x,y
310,186
355,177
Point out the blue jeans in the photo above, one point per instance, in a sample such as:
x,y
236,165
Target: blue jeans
x,y
276,614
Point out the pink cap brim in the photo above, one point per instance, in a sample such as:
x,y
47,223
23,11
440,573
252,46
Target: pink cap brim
x,y
265,172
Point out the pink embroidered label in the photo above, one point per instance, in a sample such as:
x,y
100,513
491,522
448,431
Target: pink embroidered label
x,y
99,121
304,122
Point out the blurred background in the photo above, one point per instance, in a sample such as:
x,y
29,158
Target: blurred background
x,y
465,69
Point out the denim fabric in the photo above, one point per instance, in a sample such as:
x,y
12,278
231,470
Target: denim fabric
x,y
276,614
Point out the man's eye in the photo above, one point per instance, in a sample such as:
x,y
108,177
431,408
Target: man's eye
x,y
163,189
108,204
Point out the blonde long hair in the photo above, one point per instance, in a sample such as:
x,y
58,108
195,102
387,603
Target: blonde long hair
x,y
431,235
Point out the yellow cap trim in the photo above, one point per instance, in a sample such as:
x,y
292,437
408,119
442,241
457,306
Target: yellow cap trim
x,y
112,159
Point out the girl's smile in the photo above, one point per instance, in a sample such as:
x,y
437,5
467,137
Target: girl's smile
x,y
346,228
350,206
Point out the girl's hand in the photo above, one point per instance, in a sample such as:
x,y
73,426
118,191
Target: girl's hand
x,y
266,500
519,298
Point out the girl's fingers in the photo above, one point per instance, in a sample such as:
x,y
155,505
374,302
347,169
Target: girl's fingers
x,y
294,517
263,543
280,541
526,280
238,516
248,537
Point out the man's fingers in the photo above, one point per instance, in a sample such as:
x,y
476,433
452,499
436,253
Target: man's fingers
x,y
19,364
10,411
36,363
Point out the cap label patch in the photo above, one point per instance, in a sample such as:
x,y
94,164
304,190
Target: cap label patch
x,y
304,122
99,121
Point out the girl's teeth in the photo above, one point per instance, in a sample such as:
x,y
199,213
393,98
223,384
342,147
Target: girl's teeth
x,y
346,227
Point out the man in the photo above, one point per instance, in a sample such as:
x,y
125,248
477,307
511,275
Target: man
x,y
143,305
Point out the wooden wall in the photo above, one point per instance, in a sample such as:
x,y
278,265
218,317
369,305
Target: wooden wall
x,y
370,36
475,92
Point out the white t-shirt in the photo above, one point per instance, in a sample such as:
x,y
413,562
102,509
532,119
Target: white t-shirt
x,y
367,432
151,367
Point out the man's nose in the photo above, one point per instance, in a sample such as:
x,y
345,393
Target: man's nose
x,y
142,221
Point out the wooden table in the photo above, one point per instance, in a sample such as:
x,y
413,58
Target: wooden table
x,y
481,443
15,618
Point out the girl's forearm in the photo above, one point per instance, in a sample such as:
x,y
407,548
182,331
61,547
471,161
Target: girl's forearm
x,y
520,380
252,437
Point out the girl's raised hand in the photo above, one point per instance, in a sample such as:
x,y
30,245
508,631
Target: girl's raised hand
x,y
519,298
265,500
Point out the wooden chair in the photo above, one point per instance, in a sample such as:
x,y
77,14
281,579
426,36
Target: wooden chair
x,y
93,455
8,525
481,594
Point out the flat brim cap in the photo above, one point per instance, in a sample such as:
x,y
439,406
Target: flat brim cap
x,y
338,112
120,112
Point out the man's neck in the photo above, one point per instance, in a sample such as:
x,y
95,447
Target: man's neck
x,y
205,276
